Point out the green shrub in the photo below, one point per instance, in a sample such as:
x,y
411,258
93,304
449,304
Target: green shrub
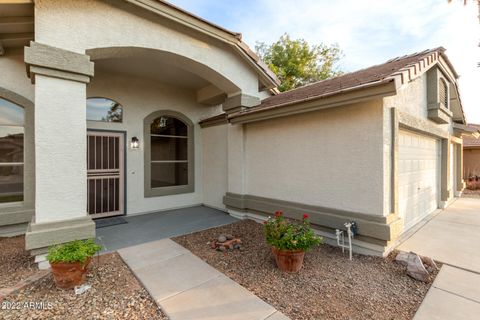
x,y
74,251
285,235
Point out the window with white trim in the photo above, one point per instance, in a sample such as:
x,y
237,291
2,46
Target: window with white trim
x,y
12,120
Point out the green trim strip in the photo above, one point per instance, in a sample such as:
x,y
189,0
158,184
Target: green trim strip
x,y
12,215
58,63
43,235
373,226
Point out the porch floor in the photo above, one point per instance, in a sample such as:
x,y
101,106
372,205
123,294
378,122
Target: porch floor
x,y
155,226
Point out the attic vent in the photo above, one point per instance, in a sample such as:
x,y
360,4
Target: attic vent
x,y
443,92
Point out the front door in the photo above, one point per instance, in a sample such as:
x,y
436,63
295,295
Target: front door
x,y
105,174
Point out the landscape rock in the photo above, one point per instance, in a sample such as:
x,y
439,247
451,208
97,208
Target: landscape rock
x,y
417,270
222,244
418,267
429,264
404,258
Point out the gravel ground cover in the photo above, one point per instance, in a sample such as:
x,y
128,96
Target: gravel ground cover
x,y
115,294
328,287
15,263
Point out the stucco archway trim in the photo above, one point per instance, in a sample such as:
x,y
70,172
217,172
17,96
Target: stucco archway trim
x,y
172,58
15,98
172,12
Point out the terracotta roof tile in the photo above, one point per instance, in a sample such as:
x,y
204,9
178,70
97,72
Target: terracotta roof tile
x,y
471,141
405,67
377,73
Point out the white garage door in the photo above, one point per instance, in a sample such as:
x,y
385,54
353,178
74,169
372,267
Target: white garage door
x,y
418,176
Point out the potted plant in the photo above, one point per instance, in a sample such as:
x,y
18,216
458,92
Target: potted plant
x,y
69,262
289,241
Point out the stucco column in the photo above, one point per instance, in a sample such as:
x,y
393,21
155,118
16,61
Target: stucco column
x,y
236,171
445,172
60,144
60,79
459,167
236,179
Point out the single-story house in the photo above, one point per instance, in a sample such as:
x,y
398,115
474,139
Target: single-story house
x,y
135,106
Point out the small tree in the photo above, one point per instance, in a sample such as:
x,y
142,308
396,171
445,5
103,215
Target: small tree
x,y
296,63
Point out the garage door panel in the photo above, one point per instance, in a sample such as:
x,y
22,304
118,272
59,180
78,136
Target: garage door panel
x,y
418,165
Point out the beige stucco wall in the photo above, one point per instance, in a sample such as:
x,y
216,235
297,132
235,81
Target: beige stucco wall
x,y
139,98
82,25
215,166
330,158
411,99
13,76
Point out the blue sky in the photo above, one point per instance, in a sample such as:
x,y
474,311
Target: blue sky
x,y
11,115
368,31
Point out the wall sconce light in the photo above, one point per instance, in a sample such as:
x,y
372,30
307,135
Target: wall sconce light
x,y
135,143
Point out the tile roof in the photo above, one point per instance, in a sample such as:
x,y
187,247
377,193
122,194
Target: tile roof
x,y
470,140
402,69
349,81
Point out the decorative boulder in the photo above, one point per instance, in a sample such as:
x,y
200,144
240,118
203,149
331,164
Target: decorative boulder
x,y
429,264
415,265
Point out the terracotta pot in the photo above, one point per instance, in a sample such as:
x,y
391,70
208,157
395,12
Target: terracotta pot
x,y
289,260
69,275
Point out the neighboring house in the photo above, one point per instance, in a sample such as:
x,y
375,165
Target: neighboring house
x,y
471,154
180,112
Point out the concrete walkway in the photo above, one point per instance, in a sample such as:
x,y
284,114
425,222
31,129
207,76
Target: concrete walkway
x,y
453,238
455,294
186,287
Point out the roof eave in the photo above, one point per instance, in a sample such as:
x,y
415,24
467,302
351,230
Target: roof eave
x,y
464,129
348,96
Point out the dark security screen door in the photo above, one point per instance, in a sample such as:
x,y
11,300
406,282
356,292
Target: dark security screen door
x,y
105,174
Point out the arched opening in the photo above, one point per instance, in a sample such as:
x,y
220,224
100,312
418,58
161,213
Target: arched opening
x,y
163,66
104,110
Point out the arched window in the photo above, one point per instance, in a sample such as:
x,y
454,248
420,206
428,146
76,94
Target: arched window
x,y
443,92
168,154
12,120
104,110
